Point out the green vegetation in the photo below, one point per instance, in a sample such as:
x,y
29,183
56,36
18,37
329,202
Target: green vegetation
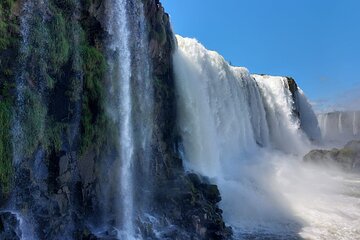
x,y
59,46
5,34
8,38
5,147
53,135
94,120
59,52
34,122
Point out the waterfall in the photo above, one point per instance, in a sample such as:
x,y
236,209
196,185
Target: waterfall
x,y
27,134
284,127
231,124
17,129
78,79
323,124
119,30
355,125
308,120
226,113
131,105
338,128
214,110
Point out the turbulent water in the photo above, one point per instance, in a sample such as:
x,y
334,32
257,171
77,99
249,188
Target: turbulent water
x,y
243,132
339,127
131,104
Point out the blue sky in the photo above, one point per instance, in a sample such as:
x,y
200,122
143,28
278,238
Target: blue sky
x,y
315,41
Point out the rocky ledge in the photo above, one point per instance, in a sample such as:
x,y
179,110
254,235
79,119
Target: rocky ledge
x,y
347,158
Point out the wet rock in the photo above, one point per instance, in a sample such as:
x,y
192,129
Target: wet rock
x,y
9,226
347,158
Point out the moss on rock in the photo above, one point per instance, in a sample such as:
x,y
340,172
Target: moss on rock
x,y
94,121
6,169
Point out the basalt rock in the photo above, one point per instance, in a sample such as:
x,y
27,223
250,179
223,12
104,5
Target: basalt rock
x,y
347,158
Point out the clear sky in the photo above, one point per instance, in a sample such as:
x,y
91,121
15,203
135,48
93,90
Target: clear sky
x,y
315,41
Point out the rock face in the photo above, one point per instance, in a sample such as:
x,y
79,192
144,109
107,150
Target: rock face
x,y
184,200
66,162
348,157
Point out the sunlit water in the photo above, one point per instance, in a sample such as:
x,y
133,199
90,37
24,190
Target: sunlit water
x,y
242,132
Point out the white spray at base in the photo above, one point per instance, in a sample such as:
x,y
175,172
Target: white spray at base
x,y
242,131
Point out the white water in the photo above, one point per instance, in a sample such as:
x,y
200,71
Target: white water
x,y
340,123
242,132
355,124
132,107
119,30
26,228
17,129
308,119
338,128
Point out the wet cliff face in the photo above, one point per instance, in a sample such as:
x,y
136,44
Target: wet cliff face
x,y
9,44
56,51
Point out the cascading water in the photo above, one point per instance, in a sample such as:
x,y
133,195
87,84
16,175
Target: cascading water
x,y
222,127
243,132
131,106
338,128
308,120
119,30
17,131
78,79
37,169
20,132
355,124
284,127
214,108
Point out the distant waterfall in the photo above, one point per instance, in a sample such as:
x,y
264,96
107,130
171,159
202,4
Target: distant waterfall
x,y
230,122
340,125
337,128
131,105
355,124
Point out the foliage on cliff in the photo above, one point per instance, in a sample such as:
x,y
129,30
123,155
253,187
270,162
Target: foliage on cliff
x,y
8,45
94,121
5,147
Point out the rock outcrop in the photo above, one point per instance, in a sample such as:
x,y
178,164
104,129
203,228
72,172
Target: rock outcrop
x,y
347,158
